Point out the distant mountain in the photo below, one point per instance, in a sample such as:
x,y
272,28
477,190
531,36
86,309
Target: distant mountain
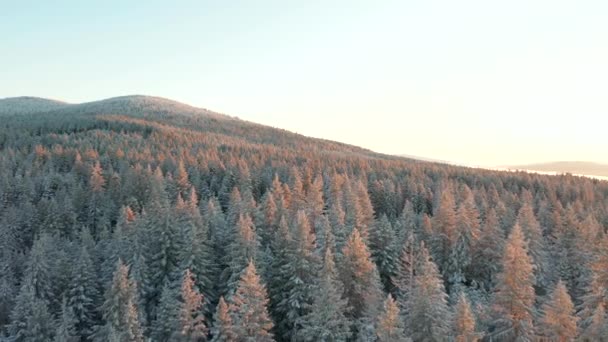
x,y
29,104
574,167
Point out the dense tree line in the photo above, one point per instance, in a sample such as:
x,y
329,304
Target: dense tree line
x,y
140,219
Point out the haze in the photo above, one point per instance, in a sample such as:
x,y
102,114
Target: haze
x,y
474,82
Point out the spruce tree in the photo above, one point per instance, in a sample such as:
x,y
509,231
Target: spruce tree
x,y
514,297
248,308
223,329
360,277
191,321
390,327
66,325
83,296
558,322
384,250
120,309
326,318
299,273
404,277
597,327
463,321
428,318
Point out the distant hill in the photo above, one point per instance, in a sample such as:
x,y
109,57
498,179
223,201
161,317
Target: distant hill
x,y
574,167
29,104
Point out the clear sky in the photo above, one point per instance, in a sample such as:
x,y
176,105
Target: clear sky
x,y
479,82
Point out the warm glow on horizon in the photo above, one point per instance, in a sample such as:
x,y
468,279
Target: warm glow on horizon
x,y
473,82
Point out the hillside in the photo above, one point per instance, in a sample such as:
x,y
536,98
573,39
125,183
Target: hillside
x,y
574,167
143,217
28,104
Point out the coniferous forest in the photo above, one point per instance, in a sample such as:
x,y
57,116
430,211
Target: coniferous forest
x,y
142,219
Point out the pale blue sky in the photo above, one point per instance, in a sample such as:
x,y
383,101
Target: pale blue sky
x,y
478,82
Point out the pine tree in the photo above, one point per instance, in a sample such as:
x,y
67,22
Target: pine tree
x,y
404,277
299,272
40,325
191,321
66,325
514,297
463,322
197,253
82,295
120,309
165,325
487,253
248,308
360,278
558,322
536,243
384,251
223,329
429,316
444,228
390,328
326,318
30,318
597,328
244,247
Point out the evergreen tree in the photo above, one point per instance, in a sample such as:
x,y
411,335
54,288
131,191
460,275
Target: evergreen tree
x,y
390,328
244,247
30,318
82,295
165,326
223,329
444,228
384,251
326,318
487,253
360,277
120,309
536,243
558,322
429,316
299,273
463,321
248,310
514,297
597,328
66,325
191,320
404,275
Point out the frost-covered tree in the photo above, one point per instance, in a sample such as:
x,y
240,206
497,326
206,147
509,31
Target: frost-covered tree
x,y
384,249
223,329
326,318
429,316
558,322
83,297
119,310
248,308
66,325
390,327
463,321
514,297
361,281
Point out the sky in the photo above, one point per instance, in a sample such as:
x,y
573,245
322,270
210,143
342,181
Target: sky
x,y
487,83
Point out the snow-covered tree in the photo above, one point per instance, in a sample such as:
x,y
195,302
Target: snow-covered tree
x,y
558,322
248,308
514,297
390,327
429,317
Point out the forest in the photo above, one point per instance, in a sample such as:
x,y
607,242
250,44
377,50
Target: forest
x,y
142,219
